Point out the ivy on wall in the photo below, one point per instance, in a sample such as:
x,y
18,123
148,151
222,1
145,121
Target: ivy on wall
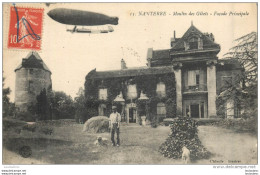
x,y
145,83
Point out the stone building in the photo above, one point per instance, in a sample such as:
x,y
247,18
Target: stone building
x,y
32,76
181,81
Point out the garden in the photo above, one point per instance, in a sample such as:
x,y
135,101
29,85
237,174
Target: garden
x,y
65,142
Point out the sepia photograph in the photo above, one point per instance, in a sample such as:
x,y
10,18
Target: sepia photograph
x,y
130,84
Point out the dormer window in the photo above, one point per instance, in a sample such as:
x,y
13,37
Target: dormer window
x,y
193,42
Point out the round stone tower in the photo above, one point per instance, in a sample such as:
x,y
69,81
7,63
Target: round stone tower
x,y
32,76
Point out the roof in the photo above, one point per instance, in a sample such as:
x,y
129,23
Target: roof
x,y
161,54
228,64
33,60
130,72
207,42
166,56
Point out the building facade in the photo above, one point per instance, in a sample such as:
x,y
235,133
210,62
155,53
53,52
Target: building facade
x,y
32,76
184,80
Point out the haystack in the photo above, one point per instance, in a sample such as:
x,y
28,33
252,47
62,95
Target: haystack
x,y
98,124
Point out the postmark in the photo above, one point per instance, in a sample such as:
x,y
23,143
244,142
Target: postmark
x,y
25,29
25,151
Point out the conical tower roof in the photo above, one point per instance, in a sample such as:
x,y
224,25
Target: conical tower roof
x,y
33,60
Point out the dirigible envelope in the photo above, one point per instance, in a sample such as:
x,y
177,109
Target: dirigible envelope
x,y
79,17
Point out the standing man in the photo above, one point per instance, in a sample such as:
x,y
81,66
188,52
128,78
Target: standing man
x,y
114,124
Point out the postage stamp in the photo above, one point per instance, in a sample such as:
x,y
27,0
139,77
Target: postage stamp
x,y
25,30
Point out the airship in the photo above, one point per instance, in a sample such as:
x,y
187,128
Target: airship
x,y
82,18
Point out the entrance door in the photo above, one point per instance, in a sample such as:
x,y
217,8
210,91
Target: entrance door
x,y
102,110
195,110
132,115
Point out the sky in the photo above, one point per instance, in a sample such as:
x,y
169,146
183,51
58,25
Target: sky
x,y
70,56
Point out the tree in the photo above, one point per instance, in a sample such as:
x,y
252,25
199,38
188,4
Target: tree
x,y
80,106
7,105
245,52
184,132
62,105
42,106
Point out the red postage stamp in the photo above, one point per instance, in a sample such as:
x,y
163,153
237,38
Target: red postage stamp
x,y
25,30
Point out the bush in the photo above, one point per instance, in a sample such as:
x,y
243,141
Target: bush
x,y
30,127
26,116
239,125
168,121
45,130
38,128
207,121
57,123
12,124
154,123
97,124
183,133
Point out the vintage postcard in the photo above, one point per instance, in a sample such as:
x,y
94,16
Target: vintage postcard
x,y
130,84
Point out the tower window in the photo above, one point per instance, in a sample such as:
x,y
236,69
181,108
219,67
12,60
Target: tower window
x,y
30,86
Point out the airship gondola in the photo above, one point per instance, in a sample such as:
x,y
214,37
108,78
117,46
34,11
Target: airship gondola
x,y
88,30
82,18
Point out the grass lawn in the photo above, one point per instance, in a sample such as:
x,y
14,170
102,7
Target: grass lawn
x,y
139,145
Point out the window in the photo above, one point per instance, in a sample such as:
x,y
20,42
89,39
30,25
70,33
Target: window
x,y
193,78
160,90
230,109
200,43
102,94
161,110
132,92
226,81
197,79
193,42
30,86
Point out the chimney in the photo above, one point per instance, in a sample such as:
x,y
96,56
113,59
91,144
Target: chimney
x,y
149,56
173,39
212,37
149,62
123,64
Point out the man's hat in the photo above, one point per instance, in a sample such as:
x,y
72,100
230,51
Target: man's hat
x,y
113,107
